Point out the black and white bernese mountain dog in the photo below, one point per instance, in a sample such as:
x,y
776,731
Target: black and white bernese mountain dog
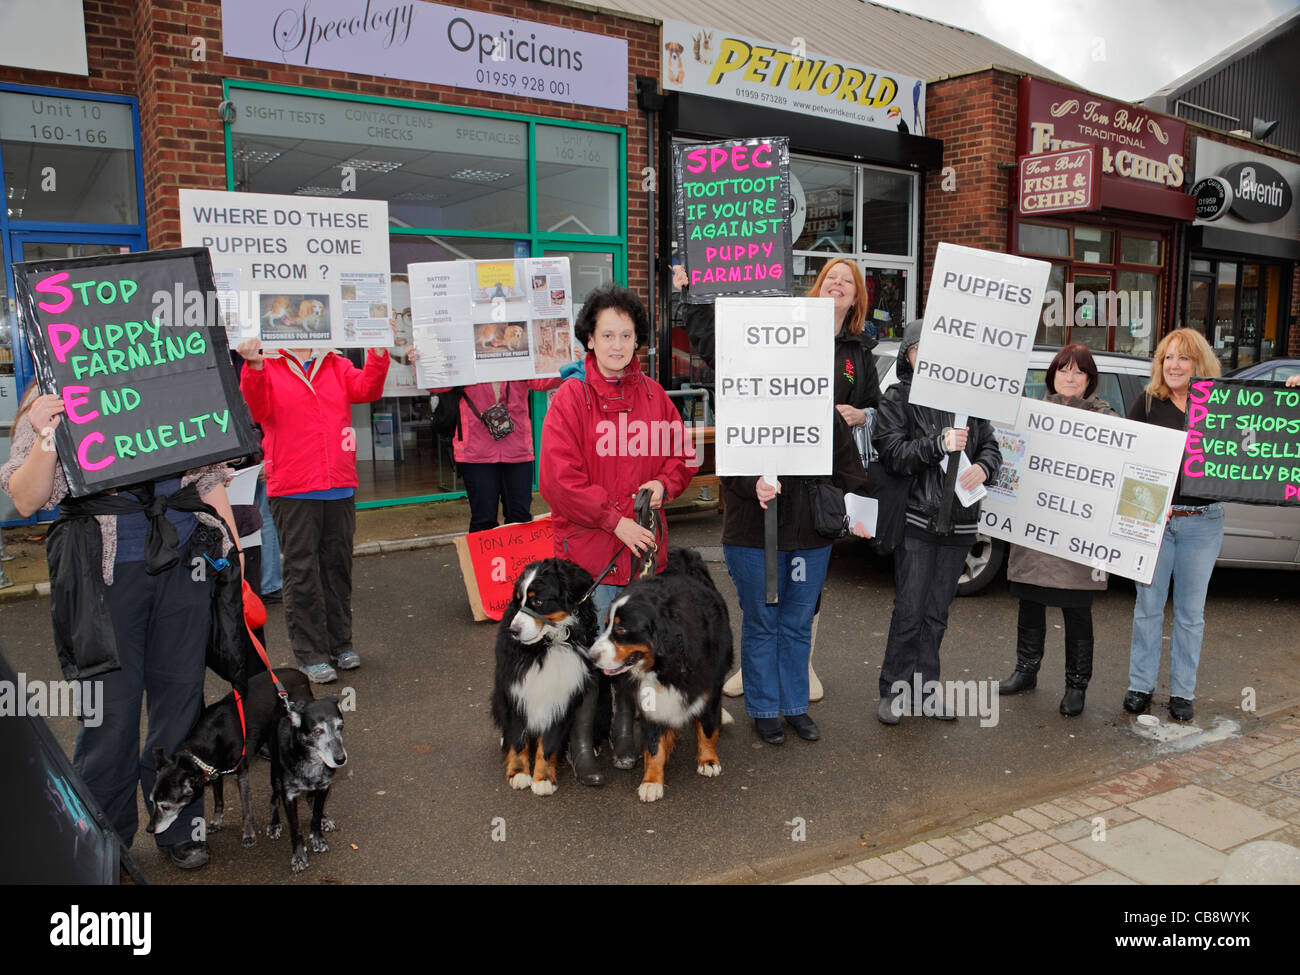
x,y
542,670
671,634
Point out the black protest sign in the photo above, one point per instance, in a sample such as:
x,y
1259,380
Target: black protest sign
x,y
732,206
131,344
1243,442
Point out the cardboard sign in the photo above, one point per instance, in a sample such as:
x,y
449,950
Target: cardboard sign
x,y
775,391
731,202
298,271
491,321
490,563
1243,442
980,319
1085,487
130,342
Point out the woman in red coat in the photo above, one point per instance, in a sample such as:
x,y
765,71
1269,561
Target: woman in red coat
x,y
303,400
606,437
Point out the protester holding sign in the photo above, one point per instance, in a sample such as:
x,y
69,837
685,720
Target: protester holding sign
x,y
857,383
493,449
606,437
1041,580
1193,535
913,441
776,640
303,400
132,606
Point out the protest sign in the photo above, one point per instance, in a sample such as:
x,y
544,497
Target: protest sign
x,y
296,271
731,204
775,398
491,561
491,321
980,318
1089,488
147,394
1243,442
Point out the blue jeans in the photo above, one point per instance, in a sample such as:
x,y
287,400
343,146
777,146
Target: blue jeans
x,y
1187,554
272,574
601,600
775,641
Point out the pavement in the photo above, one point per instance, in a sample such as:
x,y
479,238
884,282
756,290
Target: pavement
x,y
1226,812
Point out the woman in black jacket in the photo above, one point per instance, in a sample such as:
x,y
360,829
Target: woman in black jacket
x,y
857,383
912,441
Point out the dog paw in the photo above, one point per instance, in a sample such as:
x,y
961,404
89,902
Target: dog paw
x,y
650,791
318,844
250,839
298,861
541,787
274,830
709,769
214,826
520,780
327,825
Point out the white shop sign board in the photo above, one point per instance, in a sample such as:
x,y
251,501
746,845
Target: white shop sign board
x,y
981,315
775,388
491,321
1089,488
295,271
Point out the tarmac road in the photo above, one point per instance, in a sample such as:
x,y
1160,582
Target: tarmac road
x,y
424,800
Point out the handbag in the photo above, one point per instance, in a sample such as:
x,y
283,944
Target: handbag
x,y
890,491
496,418
830,518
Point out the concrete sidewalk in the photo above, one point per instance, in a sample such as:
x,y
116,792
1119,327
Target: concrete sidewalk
x,y
1226,812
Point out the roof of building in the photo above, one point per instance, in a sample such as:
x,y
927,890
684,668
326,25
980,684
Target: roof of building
x,y
1244,47
851,30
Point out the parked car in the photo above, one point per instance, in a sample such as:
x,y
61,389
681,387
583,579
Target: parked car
x,y
1254,536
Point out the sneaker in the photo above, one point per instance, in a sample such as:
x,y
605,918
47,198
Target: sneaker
x,y
320,673
348,660
189,855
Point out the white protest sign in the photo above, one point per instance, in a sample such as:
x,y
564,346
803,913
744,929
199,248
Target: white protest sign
x,y
980,318
1089,488
775,395
491,321
296,271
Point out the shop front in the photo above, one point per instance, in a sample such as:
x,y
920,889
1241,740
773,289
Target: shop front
x,y
1114,248
858,157
1243,250
71,181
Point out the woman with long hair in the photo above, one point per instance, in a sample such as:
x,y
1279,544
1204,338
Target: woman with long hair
x,y
1193,535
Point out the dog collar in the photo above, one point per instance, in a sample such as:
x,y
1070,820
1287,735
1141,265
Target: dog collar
x,y
209,771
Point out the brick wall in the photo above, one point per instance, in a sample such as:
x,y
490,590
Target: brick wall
x,y
975,116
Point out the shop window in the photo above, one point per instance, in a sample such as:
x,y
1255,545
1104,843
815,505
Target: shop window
x,y
1139,250
827,194
435,169
68,159
577,181
886,212
1093,245
1136,304
1038,238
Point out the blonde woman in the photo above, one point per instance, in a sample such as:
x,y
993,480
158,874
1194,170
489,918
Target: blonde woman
x,y
1193,534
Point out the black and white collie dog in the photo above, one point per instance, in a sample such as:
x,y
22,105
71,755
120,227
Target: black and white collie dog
x,y
671,634
542,669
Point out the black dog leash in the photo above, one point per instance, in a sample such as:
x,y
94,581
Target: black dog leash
x,y
646,517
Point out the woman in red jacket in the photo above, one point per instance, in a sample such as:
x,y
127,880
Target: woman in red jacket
x,y
303,400
606,437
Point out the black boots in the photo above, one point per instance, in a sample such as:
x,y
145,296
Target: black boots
x,y
582,750
1078,664
623,732
1031,632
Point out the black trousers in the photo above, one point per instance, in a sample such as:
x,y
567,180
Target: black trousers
x,y
316,544
925,577
486,484
161,625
